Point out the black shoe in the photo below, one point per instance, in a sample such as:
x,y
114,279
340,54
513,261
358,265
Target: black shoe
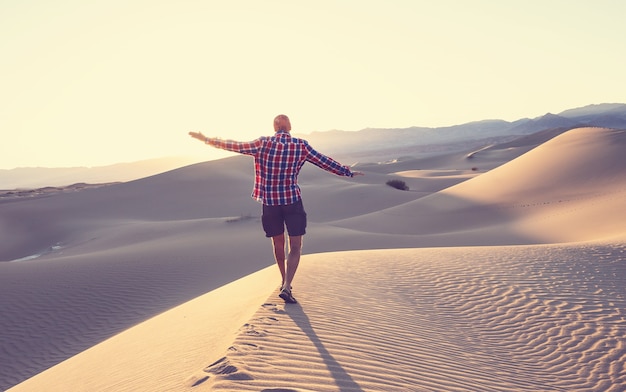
x,y
287,297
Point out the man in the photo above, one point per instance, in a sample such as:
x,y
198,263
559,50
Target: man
x,y
277,163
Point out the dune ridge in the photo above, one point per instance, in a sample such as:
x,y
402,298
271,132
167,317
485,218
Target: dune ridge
x,y
439,320
560,184
524,292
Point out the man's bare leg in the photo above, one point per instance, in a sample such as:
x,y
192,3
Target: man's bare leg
x,y
293,260
279,254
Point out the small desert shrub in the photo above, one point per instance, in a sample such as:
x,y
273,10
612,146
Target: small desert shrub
x,y
398,184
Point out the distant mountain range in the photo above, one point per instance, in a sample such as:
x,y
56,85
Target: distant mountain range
x,y
37,177
380,142
367,145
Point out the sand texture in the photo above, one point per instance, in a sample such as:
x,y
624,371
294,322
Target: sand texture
x,y
500,269
528,318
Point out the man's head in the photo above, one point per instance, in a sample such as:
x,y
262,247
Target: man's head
x,y
281,123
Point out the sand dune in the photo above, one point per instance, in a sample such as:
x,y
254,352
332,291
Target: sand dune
x,y
524,318
549,194
129,287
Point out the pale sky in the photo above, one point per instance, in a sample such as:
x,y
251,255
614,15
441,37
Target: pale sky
x,y
89,83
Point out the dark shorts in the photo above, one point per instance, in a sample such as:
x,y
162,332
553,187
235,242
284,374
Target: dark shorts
x,y
275,218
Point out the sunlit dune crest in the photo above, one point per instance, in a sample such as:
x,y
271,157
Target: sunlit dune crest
x,y
498,269
551,193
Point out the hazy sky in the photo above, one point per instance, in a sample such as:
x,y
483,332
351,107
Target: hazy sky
x,y
87,83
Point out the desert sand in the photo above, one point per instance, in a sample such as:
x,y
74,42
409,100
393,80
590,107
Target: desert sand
x,y
508,279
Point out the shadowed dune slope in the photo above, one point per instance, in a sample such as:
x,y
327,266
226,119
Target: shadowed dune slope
x,y
549,194
215,189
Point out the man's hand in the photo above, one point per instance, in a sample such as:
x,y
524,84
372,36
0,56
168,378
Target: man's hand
x,y
198,135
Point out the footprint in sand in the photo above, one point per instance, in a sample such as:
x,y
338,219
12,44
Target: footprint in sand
x,y
273,308
266,320
251,330
197,380
243,348
222,367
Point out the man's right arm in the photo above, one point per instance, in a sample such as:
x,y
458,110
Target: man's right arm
x,y
248,148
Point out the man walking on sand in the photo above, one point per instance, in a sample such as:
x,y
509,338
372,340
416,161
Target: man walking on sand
x,y
277,163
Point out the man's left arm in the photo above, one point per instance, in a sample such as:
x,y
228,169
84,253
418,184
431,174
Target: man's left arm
x,y
327,163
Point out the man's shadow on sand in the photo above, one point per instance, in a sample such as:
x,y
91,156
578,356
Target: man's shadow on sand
x,y
343,380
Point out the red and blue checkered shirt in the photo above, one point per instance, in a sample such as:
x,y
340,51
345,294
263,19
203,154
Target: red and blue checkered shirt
x,y
277,162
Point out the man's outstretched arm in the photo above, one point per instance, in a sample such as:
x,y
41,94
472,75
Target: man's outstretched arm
x,y
327,163
248,148
201,137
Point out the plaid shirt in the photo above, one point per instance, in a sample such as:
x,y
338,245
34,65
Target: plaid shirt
x,y
277,162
